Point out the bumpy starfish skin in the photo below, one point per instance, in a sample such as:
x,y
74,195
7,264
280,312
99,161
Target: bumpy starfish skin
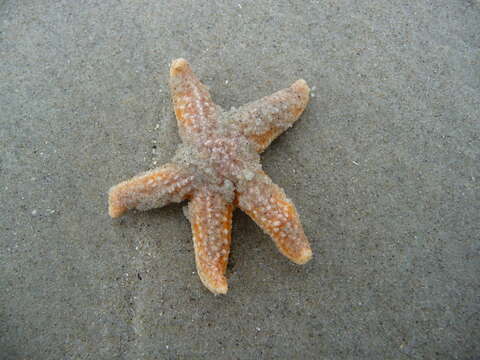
x,y
217,167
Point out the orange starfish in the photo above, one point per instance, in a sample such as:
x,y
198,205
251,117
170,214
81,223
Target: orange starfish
x,y
217,168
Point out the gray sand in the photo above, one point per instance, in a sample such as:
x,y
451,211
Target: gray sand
x,y
384,168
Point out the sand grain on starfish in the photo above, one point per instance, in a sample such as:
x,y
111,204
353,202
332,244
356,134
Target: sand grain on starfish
x,y
217,168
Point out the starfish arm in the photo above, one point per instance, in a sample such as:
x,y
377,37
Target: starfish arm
x,y
211,219
265,119
152,189
193,105
267,204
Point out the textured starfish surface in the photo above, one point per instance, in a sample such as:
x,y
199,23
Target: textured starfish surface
x,y
217,168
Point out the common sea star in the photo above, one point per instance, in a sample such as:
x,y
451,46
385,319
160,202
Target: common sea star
x,y
217,168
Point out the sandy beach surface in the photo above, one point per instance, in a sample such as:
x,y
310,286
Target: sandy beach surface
x,y
383,166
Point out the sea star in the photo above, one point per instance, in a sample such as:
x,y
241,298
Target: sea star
x,y
217,168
